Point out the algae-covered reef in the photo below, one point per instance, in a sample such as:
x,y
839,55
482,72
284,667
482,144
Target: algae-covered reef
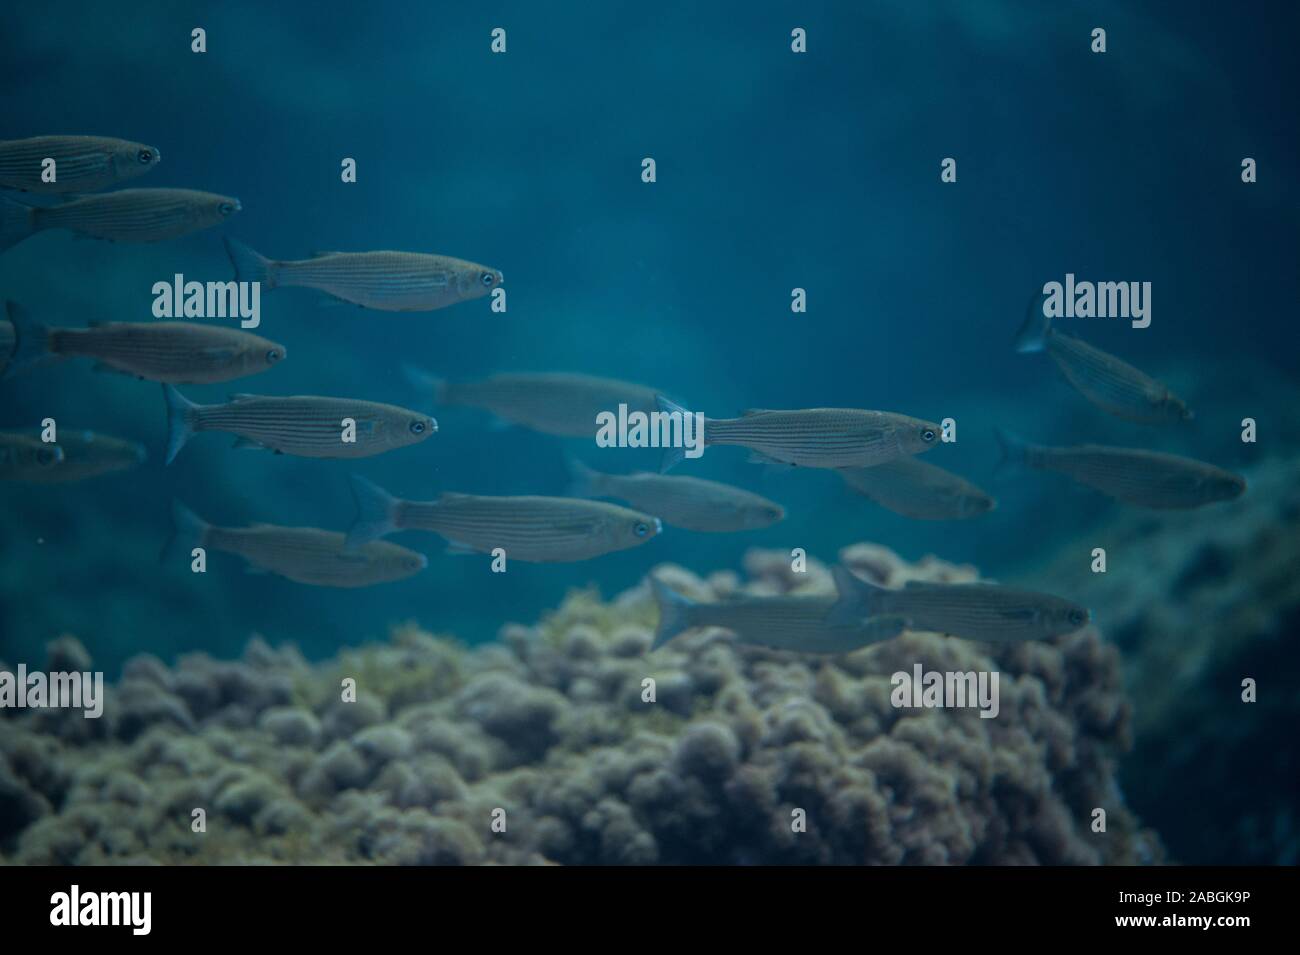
x,y
550,725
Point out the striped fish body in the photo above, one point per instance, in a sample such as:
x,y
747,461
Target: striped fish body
x,y
137,215
533,529
82,163
173,352
790,623
389,281
824,437
6,343
1114,385
24,458
87,454
1145,478
561,404
688,502
312,427
982,611
309,555
919,490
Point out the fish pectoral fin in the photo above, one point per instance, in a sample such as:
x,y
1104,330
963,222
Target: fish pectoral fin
x,y
248,444
758,457
456,547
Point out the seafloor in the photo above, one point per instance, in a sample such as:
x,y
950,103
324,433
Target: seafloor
x,y
549,725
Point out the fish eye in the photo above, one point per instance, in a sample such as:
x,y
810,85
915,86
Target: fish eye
x,y
641,529
273,355
145,156
417,427
45,457
1077,618
487,278
226,208
927,435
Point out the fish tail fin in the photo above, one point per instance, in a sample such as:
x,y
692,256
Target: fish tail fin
x,y
1035,329
671,455
181,413
674,612
250,266
426,381
188,532
858,600
376,512
1014,449
31,339
586,481
17,222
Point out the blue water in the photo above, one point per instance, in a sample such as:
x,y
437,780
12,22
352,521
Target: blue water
x,y
775,171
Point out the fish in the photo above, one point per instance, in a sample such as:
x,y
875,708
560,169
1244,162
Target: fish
x,y
779,623
556,403
919,490
979,611
128,215
812,437
533,529
81,163
1114,386
304,425
388,281
86,454
172,352
25,458
687,502
307,555
1150,479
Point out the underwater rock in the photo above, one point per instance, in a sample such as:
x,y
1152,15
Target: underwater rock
x,y
548,747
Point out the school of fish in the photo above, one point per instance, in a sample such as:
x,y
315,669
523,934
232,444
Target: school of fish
x,y
876,452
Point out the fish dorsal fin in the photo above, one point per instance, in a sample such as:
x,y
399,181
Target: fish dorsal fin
x,y
241,396
750,412
454,496
101,323
319,254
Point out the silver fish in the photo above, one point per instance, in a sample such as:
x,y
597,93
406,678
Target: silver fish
x,y
687,502
87,454
304,425
779,623
1145,478
307,555
81,163
128,215
988,612
534,529
919,490
390,281
1112,385
555,403
24,458
814,437
172,352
